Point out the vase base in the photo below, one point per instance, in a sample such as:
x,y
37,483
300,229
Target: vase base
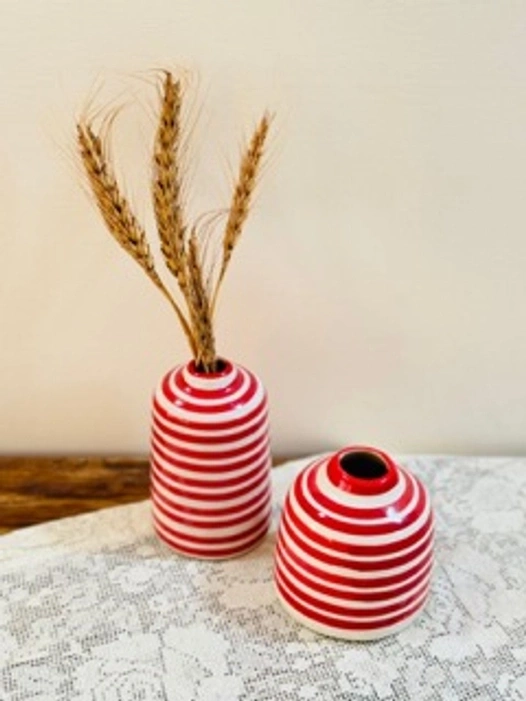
x,y
226,554
347,634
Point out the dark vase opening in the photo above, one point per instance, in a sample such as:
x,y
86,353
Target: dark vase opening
x,y
363,465
220,365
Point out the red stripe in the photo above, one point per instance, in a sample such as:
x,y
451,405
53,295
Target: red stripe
x,y
242,485
347,625
175,480
210,437
397,560
182,386
348,563
363,587
348,609
216,553
172,504
258,503
225,407
234,464
208,426
307,485
391,524
227,541
349,549
219,454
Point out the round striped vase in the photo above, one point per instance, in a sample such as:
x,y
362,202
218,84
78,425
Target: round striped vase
x,y
210,461
355,546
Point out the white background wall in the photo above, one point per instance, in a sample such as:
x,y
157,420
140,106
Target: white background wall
x,y
380,287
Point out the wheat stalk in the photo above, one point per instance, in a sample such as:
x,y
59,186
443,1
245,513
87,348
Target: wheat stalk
x,y
183,255
241,198
117,214
199,307
166,181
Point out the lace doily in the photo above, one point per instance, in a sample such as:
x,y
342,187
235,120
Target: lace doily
x,y
96,608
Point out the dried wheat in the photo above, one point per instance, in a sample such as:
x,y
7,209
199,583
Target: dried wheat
x,y
199,307
166,185
117,213
241,198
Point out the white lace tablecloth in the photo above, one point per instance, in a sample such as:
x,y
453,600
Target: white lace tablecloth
x,y
95,608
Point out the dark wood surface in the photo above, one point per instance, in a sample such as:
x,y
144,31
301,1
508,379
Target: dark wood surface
x,y
38,489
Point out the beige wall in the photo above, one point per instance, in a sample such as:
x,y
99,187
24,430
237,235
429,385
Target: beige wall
x,y
380,288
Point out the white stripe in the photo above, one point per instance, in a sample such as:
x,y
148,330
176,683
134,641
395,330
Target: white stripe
x,y
216,533
346,588
204,475
348,633
346,617
391,515
207,382
209,549
227,398
347,599
216,448
221,433
220,502
181,516
348,571
358,501
233,414
211,461
364,558
258,471
352,539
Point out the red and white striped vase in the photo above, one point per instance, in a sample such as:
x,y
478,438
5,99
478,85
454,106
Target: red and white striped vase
x,y
355,546
210,461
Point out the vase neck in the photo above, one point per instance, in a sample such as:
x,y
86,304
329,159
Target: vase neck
x,y
209,380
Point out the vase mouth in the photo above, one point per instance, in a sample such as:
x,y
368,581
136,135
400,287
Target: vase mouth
x,y
223,368
363,470
363,464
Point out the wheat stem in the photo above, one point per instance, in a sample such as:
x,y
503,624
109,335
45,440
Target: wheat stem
x,y
199,306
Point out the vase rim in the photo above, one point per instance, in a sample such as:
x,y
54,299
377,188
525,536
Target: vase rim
x,y
364,470
226,368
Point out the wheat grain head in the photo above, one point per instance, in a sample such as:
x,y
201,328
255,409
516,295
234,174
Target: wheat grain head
x,y
166,181
117,213
242,196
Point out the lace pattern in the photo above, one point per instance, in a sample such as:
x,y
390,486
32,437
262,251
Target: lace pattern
x,y
96,608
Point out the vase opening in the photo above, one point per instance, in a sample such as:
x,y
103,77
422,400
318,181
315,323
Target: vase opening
x,y
221,367
363,465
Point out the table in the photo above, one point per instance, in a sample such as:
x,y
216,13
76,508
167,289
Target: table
x,y
37,488
94,607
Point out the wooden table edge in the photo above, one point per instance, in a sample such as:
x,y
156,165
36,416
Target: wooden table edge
x,y
35,489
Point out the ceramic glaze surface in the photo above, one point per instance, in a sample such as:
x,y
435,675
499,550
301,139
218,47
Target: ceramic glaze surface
x,y
355,545
210,461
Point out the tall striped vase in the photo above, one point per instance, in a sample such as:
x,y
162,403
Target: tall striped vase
x,y
355,546
210,461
